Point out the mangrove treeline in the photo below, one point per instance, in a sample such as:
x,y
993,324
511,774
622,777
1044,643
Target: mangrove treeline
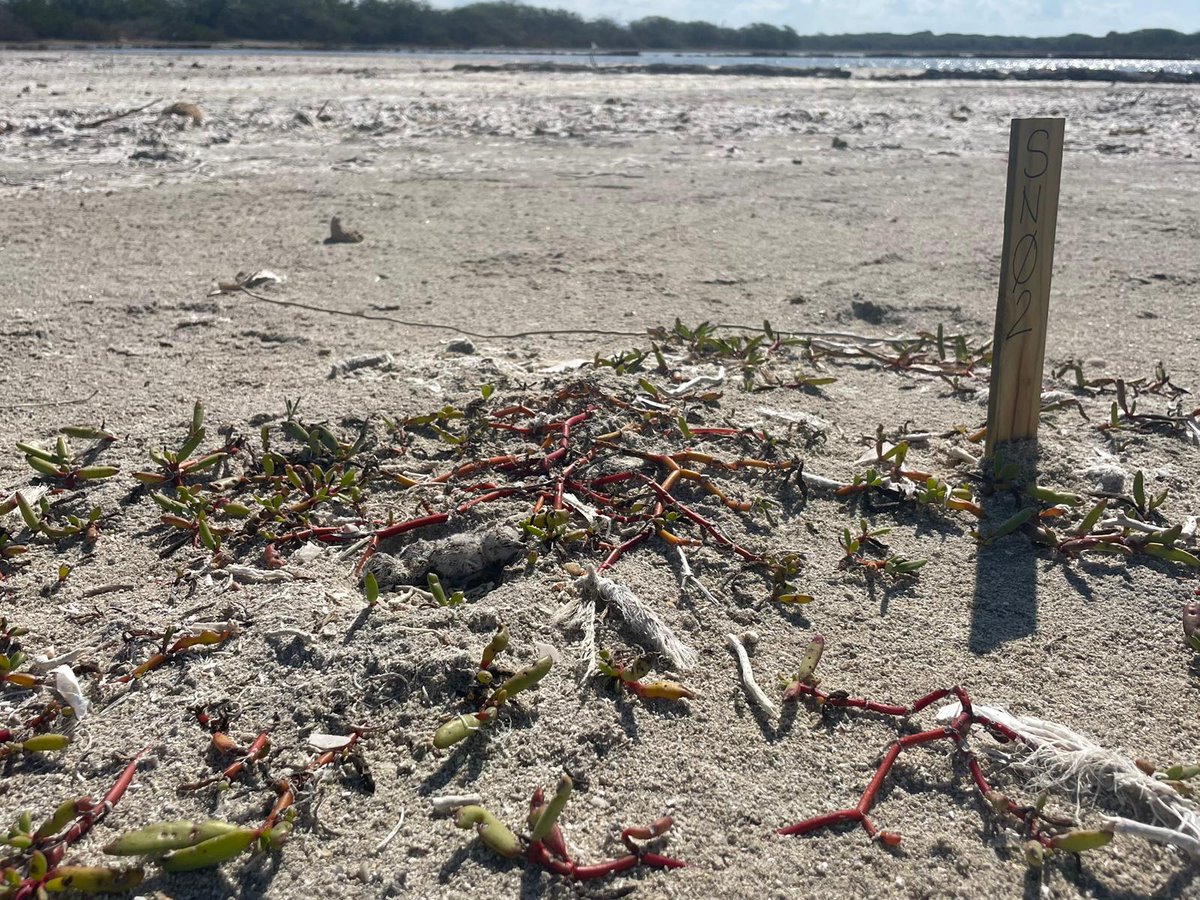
x,y
410,23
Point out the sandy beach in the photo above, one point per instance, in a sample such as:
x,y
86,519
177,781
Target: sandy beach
x,y
599,206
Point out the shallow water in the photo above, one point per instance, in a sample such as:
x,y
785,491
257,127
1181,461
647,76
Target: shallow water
x,y
943,63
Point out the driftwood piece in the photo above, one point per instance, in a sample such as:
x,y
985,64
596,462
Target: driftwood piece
x,y
340,235
96,123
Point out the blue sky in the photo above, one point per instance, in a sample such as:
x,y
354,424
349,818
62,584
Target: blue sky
x,y
1025,17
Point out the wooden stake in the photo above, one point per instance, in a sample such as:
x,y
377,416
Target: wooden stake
x,y
1030,216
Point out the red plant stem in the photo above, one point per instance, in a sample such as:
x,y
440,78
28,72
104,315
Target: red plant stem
x,y
873,566
495,462
580,488
871,792
518,409
517,429
825,820
859,813
1075,546
480,488
614,478
728,432
372,547
554,840
537,853
329,756
184,643
45,717
398,528
532,429
600,870
913,740
977,775
255,752
442,518
84,823
566,474
798,688
963,697
708,526
956,731
287,796
1002,732
1027,814
621,549
492,495
287,793
207,720
305,505
551,458
603,500
645,833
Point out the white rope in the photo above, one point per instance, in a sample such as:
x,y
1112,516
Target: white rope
x,y
1060,758
642,622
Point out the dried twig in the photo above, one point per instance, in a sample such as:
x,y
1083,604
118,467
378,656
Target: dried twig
x,y
438,326
96,123
40,404
753,691
108,589
688,577
389,837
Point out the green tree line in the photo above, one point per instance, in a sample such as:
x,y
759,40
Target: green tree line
x,y
412,23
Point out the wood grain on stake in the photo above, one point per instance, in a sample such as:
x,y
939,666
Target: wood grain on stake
x,y
1030,216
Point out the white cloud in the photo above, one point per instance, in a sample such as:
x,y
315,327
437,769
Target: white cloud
x,y
1032,17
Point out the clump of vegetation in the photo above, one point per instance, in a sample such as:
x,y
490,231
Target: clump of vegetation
x,y
629,676
1045,833
546,847
582,475
35,865
867,541
490,701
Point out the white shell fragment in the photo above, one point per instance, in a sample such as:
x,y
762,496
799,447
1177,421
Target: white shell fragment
x,y
67,686
699,383
451,802
324,742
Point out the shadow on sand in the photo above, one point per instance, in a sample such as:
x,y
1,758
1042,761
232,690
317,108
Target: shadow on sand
x,y
1005,604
